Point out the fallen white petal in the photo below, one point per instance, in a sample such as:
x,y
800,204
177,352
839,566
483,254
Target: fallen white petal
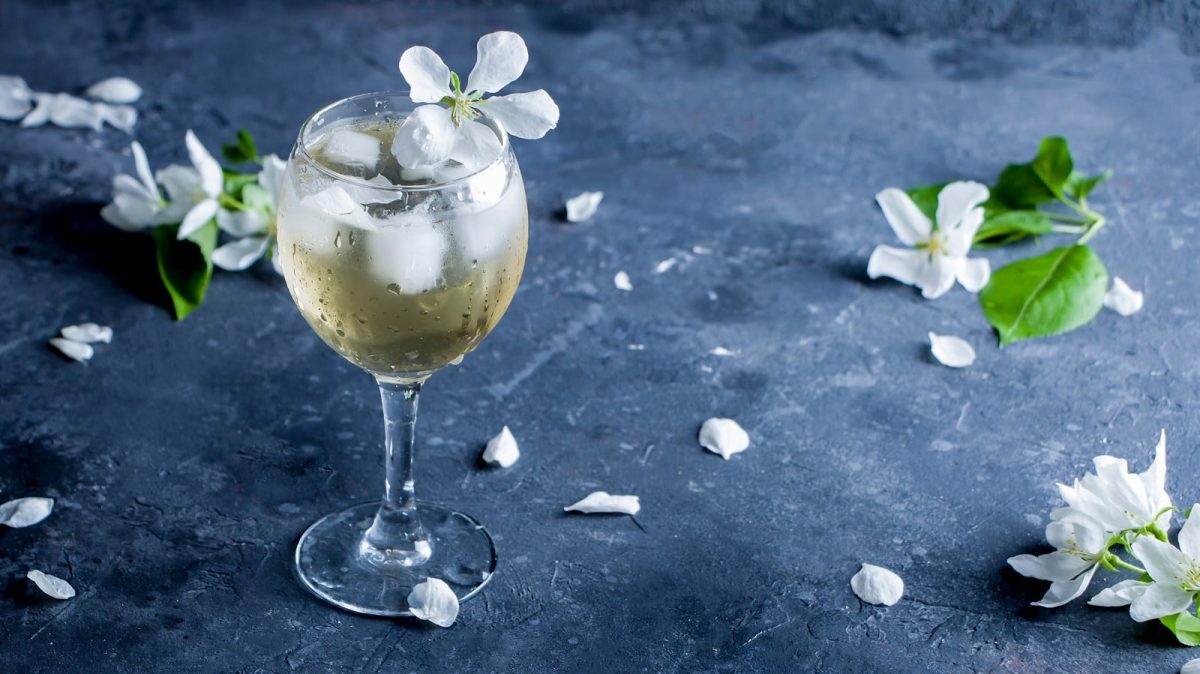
x,y
52,585
115,90
15,98
1123,299
1190,667
665,265
951,351
701,250
636,347
877,585
604,502
122,117
622,282
73,350
24,512
433,600
88,333
583,206
41,110
71,112
502,449
723,436
721,351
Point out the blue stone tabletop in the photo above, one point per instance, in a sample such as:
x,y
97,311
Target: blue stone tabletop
x,y
743,139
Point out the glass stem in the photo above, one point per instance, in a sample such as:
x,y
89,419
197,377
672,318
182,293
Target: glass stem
x,y
396,537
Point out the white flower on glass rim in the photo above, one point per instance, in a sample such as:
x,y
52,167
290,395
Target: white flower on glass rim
x,y
137,203
434,133
1176,572
1120,500
1080,547
938,256
193,191
253,229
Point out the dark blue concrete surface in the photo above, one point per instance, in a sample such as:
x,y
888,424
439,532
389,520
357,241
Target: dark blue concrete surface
x,y
187,458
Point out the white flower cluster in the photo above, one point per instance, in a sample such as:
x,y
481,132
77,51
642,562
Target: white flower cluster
x,y
35,108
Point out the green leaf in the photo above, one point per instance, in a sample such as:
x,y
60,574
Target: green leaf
x,y
1045,295
254,197
1019,187
926,198
1079,185
1185,627
247,144
234,181
1002,227
1053,163
234,154
185,267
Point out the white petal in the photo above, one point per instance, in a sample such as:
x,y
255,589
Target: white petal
x,y
41,110
24,512
1064,591
500,58
70,112
53,586
528,115
115,90
73,350
1154,480
724,437
432,600
665,265
907,221
180,182
142,166
583,206
197,217
951,351
958,199
959,239
937,276
240,254
1052,566
1190,667
15,98
1163,561
122,117
427,136
1160,599
974,273
622,282
1123,299
270,178
877,585
242,223
721,351
901,264
426,73
502,449
1189,535
603,502
475,146
88,333
211,180
1121,594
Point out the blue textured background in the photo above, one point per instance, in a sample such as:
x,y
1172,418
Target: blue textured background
x,y
186,458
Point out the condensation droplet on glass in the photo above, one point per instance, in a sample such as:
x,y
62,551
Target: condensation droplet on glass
x,y
337,240
394,288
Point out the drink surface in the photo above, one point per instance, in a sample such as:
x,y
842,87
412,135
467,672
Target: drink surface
x,y
399,283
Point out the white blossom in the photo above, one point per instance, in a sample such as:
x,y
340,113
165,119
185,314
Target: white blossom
x,y
1080,547
1176,572
137,203
254,228
193,191
1120,500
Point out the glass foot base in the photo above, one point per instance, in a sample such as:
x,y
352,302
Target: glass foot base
x,y
328,562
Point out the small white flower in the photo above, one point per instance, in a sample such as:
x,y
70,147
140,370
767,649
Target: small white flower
x,y
80,353
433,133
1120,500
1120,594
877,585
622,282
502,449
938,256
53,586
1176,572
434,601
253,228
16,100
604,502
723,436
951,351
583,206
193,190
1079,541
24,512
88,333
1123,299
136,203
115,90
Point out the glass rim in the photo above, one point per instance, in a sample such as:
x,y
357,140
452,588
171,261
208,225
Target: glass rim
x,y
305,128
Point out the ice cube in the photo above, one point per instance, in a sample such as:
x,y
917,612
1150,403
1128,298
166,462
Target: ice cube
x,y
316,219
487,233
408,251
353,149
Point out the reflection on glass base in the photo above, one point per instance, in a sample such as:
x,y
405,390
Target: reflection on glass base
x,y
328,563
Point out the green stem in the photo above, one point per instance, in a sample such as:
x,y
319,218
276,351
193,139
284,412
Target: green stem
x,y
1069,229
230,202
1065,217
1122,564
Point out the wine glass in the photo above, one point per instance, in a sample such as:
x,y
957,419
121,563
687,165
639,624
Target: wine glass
x,y
402,271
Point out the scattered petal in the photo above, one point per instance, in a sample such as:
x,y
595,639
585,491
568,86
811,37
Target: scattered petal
x,y
53,586
502,449
24,512
15,98
701,250
877,585
73,350
951,351
70,112
115,90
500,58
121,117
583,206
665,265
604,502
723,436
636,347
530,115
1190,667
1123,299
622,282
41,110
721,351
88,333
432,600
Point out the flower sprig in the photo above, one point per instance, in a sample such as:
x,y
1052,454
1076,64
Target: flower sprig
x,y
185,208
1112,512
